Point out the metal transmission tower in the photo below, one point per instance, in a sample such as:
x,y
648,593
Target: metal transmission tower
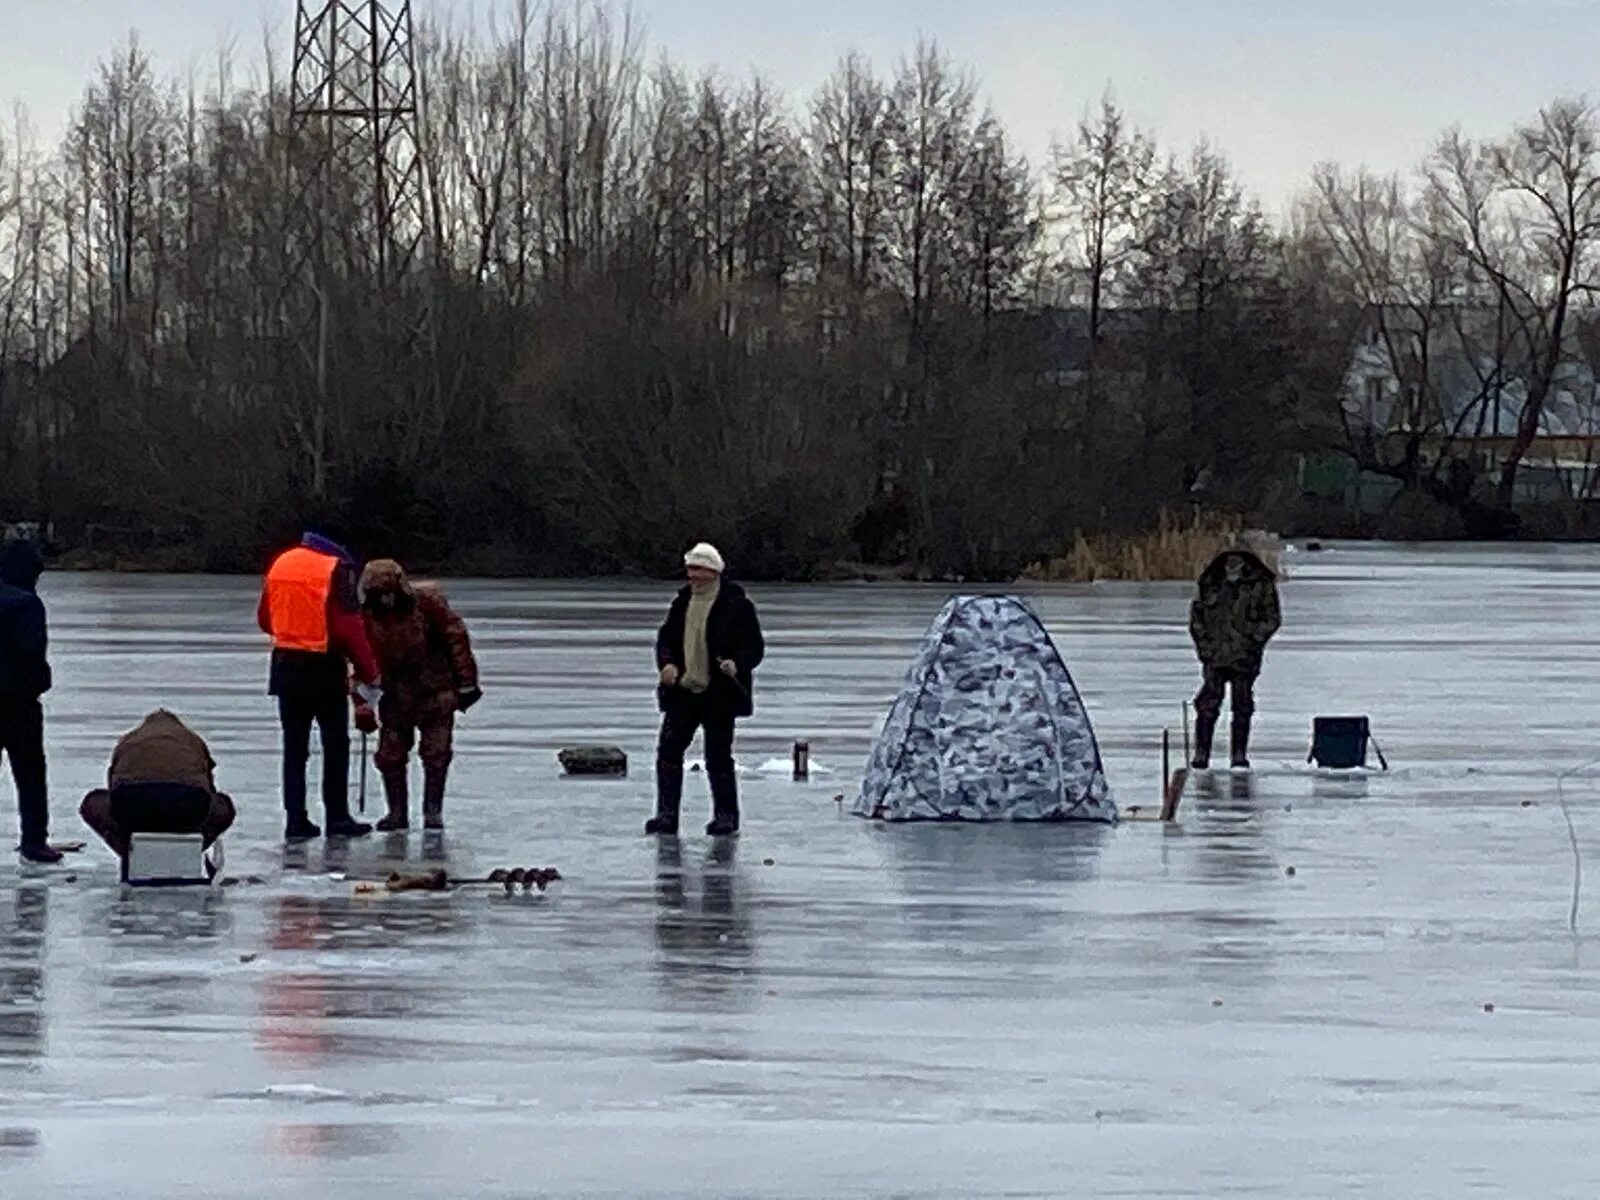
x,y
357,217
355,126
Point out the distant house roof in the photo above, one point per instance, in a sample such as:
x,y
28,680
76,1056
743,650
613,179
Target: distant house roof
x,y
1469,399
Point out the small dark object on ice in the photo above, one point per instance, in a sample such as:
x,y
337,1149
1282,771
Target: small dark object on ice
x,y
1289,871
248,958
1527,804
1216,1003
1313,547
767,862
435,880
527,877
593,760
1488,1008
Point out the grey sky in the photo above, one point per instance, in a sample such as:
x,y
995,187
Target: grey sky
x,y
1278,85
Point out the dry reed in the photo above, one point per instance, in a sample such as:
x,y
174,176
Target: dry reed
x,y
1177,548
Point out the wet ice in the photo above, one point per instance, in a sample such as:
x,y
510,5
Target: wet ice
x,y
929,1010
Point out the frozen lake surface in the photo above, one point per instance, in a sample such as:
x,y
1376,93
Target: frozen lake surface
x,y
1141,1011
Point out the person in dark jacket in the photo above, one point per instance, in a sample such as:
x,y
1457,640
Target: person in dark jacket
x,y
24,678
1234,615
309,607
161,780
706,653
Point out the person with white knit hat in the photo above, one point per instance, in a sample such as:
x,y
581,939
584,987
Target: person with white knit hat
x,y
707,651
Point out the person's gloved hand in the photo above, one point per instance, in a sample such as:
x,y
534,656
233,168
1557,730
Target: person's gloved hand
x,y
366,719
729,667
669,676
467,697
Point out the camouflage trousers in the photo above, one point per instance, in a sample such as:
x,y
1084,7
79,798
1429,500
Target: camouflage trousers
x,y
396,738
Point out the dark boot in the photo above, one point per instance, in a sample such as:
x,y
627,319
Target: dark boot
x,y
1241,741
1205,730
724,804
297,827
348,827
434,776
340,823
396,789
669,798
39,852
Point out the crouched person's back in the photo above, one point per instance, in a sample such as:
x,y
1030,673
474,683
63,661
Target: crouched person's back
x,y
161,780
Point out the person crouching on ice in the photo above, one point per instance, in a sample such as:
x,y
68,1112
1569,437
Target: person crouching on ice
x,y
161,780
429,674
707,651
1234,614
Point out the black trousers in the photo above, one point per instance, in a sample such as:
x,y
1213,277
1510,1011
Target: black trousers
x,y
330,713
155,808
22,740
1215,680
685,714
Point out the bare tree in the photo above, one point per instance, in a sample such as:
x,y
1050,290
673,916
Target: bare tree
x,y
1102,184
1524,215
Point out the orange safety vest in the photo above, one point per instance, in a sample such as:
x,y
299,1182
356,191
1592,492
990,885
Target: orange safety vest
x,y
298,587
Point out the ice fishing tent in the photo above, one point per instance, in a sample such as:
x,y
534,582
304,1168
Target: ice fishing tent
x,y
988,727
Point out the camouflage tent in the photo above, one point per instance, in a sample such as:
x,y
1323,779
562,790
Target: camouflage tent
x,y
988,727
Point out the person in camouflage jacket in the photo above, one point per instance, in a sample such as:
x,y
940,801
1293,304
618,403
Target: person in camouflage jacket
x,y
429,675
1234,614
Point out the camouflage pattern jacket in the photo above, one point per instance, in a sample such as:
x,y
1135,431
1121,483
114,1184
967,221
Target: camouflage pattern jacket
x,y
422,647
1231,622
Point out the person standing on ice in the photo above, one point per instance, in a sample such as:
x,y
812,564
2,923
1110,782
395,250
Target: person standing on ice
x,y
310,608
24,678
429,675
1233,617
707,651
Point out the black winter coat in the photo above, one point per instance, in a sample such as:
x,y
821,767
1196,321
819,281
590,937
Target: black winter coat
x,y
24,661
733,631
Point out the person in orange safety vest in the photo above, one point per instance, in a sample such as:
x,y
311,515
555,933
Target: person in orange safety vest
x,y
309,607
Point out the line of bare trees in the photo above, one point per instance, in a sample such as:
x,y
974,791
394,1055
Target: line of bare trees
x,y
647,305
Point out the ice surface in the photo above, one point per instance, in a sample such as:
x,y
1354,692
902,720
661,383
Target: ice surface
x,y
971,1011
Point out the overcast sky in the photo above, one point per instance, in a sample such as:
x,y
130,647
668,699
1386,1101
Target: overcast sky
x,y
1279,85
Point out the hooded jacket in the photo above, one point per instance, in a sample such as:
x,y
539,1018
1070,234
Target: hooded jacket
x,y
311,672
421,645
1231,622
24,642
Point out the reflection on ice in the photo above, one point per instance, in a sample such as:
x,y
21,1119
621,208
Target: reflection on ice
x,y
704,936
22,982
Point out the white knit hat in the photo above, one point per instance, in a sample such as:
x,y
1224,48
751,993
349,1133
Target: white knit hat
x,y
704,555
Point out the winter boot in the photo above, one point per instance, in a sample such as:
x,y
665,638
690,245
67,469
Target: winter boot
x,y
724,804
1241,741
395,792
1205,729
434,776
297,827
669,798
342,825
39,852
